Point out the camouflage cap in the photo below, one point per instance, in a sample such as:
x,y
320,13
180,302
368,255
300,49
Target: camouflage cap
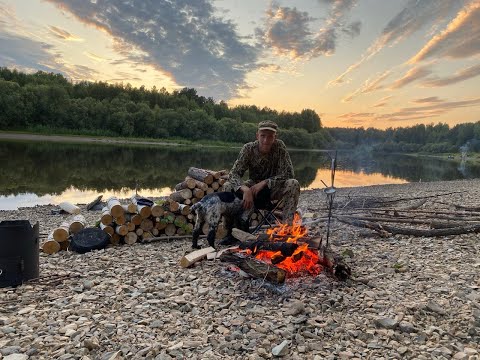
x,y
268,125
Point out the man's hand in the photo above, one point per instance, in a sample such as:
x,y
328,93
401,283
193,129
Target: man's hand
x,y
247,201
249,194
257,187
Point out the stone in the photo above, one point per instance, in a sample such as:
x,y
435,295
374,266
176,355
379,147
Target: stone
x,y
386,323
434,307
281,350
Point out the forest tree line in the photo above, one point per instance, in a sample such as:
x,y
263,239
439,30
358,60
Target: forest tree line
x,y
48,102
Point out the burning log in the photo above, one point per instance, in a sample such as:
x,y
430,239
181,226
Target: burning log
x,y
285,248
256,268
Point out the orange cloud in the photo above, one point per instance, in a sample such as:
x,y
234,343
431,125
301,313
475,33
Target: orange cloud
x,y
460,39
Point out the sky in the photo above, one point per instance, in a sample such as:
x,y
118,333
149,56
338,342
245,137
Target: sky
x,y
370,63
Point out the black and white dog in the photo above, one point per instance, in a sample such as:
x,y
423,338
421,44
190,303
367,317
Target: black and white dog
x,y
211,209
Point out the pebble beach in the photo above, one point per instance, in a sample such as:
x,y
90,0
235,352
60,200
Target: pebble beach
x,y
409,297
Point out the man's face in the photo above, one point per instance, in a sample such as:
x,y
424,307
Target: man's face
x,y
265,139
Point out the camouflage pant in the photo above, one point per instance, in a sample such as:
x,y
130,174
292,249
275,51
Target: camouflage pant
x,y
288,190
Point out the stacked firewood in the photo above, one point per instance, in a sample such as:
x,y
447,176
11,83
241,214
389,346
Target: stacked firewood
x,y
59,238
139,221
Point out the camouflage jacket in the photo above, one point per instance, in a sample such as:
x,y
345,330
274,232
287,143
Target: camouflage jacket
x,y
275,166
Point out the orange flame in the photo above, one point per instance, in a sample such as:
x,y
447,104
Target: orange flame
x,y
303,260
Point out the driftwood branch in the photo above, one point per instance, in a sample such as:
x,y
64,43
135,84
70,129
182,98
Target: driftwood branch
x,y
383,229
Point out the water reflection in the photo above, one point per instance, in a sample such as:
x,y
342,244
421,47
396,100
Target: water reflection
x,y
49,173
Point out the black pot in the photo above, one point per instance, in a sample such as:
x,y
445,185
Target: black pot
x,y
19,252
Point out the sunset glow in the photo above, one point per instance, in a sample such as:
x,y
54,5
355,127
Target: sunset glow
x,y
369,63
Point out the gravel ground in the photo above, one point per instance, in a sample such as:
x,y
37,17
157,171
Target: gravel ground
x,y
409,297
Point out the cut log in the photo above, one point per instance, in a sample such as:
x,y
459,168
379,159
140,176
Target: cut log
x,y
198,184
115,239
130,238
146,235
181,195
195,256
173,205
198,193
215,185
181,231
76,223
50,246
243,235
65,245
144,210
94,202
200,175
190,201
160,225
188,183
121,230
136,219
216,174
157,210
184,209
155,231
61,233
209,191
130,208
256,268
180,220
139,231
106,218
69,208
115,207
216,255
130,226
120,220
170,230
107,228
146,225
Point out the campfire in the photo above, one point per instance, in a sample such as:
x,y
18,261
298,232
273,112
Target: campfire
x,y
297,259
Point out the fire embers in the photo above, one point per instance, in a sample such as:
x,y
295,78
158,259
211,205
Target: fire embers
x,y
285,247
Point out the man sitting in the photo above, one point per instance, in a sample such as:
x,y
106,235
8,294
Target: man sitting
x,y
270,171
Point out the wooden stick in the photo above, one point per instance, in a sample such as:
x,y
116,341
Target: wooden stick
x,y
195,256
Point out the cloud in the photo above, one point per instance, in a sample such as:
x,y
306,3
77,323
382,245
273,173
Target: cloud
x,y
383,101
368,86
411,76
464,74
63,34
94,57
353,29
433,109
269,68
431,99
183,38
26,54
460,39
290,32
356,115
414,16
